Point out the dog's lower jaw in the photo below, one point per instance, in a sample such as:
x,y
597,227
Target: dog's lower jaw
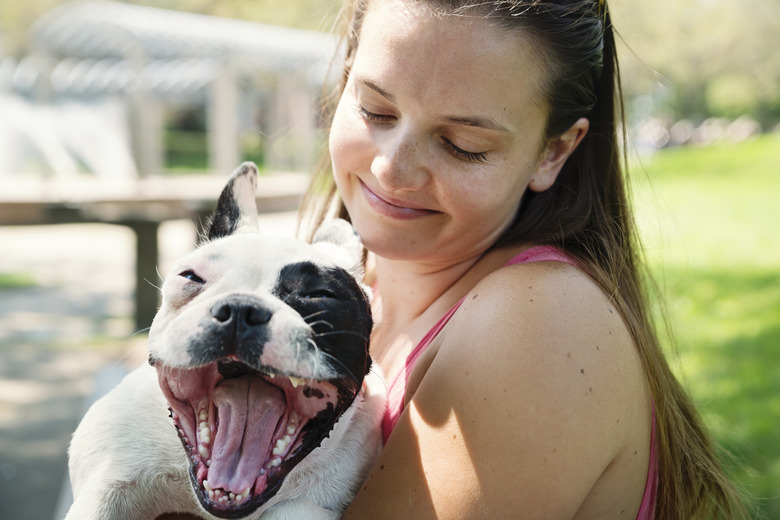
x,y
243,434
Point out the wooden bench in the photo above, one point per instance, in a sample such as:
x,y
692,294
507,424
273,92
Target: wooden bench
x,y
142,205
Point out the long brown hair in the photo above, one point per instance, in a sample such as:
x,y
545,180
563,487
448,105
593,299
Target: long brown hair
x,y
587,214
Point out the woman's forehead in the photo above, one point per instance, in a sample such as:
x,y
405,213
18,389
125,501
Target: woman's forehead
x,y
462,62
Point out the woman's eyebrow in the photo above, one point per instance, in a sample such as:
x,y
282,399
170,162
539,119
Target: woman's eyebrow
x,y
379,90
475,121
479,122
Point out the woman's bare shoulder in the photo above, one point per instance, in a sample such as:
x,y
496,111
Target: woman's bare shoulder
x,y
530,397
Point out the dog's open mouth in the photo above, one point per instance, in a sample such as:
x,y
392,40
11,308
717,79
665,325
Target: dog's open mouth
x,y
245,430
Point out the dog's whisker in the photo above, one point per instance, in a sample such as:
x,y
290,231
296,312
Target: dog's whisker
x,y
338,362
314,315
351,332
159,288
140,331
321,322
316,358
159,275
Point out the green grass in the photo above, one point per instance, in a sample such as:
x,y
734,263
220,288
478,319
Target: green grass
x,y
709,218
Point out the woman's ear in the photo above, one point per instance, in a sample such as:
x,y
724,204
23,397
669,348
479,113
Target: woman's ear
x,y
555,154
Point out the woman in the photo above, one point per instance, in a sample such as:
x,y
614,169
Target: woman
x,y
474,148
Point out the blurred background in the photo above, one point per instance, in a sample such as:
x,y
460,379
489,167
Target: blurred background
x,y
119,122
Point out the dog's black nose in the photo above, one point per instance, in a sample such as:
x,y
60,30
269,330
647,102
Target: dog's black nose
x,y
242,311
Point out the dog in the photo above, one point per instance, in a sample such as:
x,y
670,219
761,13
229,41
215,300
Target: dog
x,y
259,400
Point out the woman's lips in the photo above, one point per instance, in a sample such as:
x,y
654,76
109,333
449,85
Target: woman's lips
x,y
393,208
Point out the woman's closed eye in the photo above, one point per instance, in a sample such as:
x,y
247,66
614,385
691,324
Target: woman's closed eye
x,y
464,155
452,148
373,117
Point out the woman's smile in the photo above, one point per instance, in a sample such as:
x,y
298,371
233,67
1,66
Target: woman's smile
x,y
393,208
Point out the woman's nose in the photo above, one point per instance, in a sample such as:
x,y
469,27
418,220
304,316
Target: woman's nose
x,y
399,163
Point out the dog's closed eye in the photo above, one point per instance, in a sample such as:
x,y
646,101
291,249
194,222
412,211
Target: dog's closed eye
x,y
318,294
191,276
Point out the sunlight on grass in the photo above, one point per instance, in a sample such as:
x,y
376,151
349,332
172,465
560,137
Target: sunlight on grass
x,y
708,217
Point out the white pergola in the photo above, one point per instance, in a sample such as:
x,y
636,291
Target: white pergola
x,y
152,57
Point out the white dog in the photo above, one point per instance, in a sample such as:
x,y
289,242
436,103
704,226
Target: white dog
x,y
259,401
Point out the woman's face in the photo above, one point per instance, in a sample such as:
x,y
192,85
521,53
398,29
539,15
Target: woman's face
x,y
438,133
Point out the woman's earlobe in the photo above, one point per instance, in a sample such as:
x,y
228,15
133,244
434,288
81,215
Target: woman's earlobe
x,y
556,153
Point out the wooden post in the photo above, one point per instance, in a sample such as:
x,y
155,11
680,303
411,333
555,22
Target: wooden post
x,y
147,280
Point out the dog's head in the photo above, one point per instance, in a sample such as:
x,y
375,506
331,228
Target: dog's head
x,y
260,345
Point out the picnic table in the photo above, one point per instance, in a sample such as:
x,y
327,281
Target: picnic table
x,y
140,204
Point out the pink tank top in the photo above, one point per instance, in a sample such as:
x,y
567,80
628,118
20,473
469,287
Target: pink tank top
x,y
397,389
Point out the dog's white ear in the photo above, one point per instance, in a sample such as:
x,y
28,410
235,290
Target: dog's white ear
x,y
339,239
236,209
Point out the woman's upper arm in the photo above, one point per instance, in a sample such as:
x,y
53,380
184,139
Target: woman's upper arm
x,y
519,411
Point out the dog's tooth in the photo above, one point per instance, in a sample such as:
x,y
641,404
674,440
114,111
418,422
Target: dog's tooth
x,y
206,485
232,496
296,381
204,415
205,433
204,452
290,429
246,492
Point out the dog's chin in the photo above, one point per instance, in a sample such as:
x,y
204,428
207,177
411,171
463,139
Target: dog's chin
x,y
244,430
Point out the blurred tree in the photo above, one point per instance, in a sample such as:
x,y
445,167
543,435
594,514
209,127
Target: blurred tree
x,y
696,58
16,17
712,57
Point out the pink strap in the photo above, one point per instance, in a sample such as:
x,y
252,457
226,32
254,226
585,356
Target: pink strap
x,y
397,389
647,507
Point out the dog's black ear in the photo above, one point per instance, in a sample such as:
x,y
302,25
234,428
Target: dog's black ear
x,y
236,208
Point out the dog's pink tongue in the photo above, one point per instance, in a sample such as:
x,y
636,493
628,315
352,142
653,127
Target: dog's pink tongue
x,y
249,410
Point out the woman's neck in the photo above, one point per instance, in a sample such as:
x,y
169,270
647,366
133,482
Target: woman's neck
x,y
408,289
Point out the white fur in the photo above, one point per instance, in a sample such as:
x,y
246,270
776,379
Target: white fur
x,y
126,440
126,460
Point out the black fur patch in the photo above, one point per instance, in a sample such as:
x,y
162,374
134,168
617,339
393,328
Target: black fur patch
x,y
338,310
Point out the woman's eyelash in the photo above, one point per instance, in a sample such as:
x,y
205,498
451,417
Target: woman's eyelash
x,y
476,157
459,153
371,116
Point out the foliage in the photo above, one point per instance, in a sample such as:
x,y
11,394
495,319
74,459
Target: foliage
x,y
675,51
17,17
685,48
709,216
